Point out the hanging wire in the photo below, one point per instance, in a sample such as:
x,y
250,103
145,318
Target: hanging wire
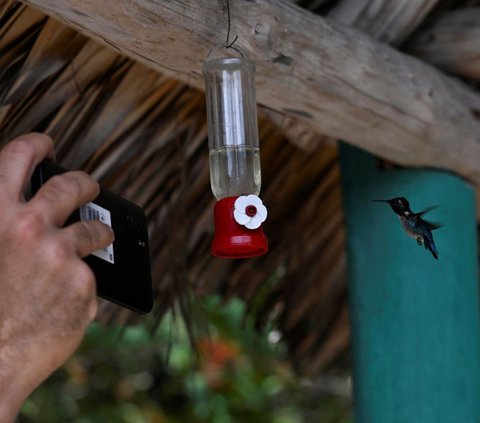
x,y
227,42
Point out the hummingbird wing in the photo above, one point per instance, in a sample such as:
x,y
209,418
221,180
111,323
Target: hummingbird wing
x,y
428,209
433,225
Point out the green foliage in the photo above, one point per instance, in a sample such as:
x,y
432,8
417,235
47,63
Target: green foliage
x,y
128,375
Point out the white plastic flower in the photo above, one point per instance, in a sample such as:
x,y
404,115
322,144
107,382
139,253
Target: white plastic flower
x,y
249,211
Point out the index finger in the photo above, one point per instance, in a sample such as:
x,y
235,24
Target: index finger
x,y
18,160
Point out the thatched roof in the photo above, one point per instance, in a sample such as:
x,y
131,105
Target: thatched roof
x,y
144,136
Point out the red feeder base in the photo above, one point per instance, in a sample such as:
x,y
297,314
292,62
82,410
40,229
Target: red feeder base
x,y
233,240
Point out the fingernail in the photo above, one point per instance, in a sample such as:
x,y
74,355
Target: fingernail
x,y
111,231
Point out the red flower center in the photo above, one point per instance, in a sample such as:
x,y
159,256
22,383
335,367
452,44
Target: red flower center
x,y
251,211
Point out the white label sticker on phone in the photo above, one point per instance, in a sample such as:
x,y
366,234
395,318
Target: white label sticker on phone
x,y
92,211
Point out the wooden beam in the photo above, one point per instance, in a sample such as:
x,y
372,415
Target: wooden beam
x,y
337,80
388,21
298,132
451,42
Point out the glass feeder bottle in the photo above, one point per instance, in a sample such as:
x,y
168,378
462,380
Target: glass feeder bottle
x,y
232,127
234,155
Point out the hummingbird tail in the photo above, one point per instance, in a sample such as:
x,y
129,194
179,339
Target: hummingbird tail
x,y
430,246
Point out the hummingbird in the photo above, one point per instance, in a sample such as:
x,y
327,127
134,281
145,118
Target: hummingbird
x,y
413,224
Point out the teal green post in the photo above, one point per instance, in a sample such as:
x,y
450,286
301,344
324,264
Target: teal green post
x,y
415,320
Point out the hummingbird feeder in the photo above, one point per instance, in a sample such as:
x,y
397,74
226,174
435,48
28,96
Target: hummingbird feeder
x,y
235,174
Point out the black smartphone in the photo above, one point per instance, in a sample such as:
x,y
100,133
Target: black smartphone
x,y
122,269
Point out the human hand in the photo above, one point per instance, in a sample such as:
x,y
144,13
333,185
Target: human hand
x,y
47,293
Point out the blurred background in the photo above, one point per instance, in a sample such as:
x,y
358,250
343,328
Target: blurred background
x,y
235,374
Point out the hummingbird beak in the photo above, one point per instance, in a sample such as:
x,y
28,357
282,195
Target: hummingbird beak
x,y
382,201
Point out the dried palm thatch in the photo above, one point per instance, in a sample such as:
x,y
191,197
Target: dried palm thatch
x,y
144,137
